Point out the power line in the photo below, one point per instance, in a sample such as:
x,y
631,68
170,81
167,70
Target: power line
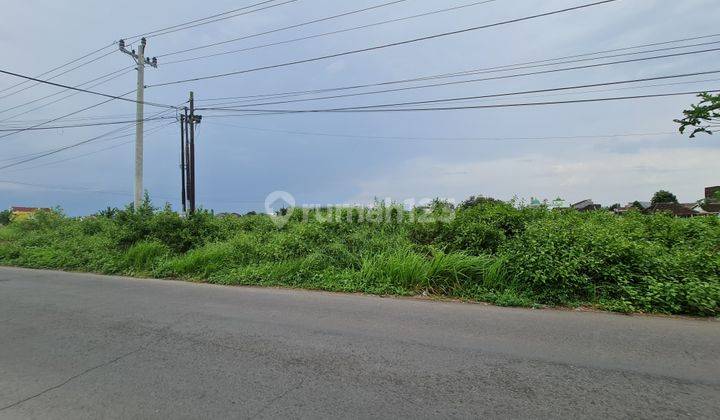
x,y
214,44
112,76
421,138
374,92
55,151
59,67
478,80
378,47
250,98
524,104
23,156
84,90
155,115
316,35
575,101
61,188
98,124
94,152
530,96
71,146
111,98
162,31
653,44
644,86
59,74
11,123
496,95
484,79
210,19
112,192
63,116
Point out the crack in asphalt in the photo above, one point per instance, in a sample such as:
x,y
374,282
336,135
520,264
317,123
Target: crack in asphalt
x,y
278,398
72,378
162,333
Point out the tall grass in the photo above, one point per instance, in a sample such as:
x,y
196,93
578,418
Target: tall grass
x,y
487,251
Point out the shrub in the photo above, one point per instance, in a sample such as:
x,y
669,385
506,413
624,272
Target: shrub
x,y
475,228
647,263
483,250
5,217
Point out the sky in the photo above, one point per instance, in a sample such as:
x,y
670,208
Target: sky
x,y
611,152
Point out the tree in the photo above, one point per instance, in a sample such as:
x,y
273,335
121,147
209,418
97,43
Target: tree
x,y
702,115
478,200
5,217
109,212
663,196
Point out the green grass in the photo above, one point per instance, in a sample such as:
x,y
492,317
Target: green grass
x,y
490,252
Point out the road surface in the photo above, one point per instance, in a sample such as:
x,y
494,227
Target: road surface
x,y
84,346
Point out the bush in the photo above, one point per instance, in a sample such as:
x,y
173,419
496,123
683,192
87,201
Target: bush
x,y
478,227
652,263
5,217
483,250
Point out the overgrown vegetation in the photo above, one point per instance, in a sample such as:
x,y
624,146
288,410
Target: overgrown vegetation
x,y
484,250
5,217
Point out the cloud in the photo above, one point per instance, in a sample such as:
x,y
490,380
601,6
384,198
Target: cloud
x,y
604,176
12,186
243,166
335,67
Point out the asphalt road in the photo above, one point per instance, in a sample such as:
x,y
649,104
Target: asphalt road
x,y
77,346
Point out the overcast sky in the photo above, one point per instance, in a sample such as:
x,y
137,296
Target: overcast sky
x,y
339,158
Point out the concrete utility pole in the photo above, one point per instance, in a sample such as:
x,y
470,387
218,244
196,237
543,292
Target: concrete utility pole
x,y
141,61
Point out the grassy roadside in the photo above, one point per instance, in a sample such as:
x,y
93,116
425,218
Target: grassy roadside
x,y
488,251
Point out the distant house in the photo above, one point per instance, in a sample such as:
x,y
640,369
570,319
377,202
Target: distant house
x,y
686,209
676,209
22,213
638,205
586,205
706,208
710,206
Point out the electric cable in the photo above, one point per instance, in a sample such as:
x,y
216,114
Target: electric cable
x,y
383,46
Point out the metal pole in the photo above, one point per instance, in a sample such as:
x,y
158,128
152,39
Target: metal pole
x,y
182,161
139,124
188,187
192,152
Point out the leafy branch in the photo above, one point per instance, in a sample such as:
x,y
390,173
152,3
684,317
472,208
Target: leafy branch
x,y
702,115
